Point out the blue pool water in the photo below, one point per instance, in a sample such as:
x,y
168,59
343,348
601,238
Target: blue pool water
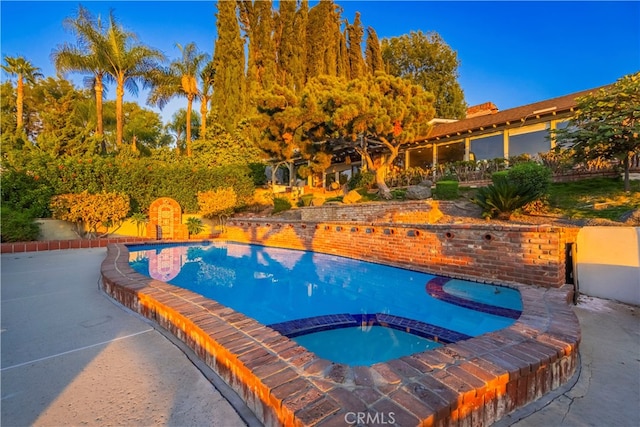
x,y
347,311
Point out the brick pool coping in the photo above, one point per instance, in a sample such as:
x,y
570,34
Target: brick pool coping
x,y
54,245
472,382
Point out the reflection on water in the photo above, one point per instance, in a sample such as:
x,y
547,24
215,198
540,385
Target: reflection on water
x,y
162,264
274,285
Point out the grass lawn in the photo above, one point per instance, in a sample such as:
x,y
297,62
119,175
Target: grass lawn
x,y
594,198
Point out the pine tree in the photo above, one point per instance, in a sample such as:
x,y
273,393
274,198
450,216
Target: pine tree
x,y
427,60
354,36
373,53
228,60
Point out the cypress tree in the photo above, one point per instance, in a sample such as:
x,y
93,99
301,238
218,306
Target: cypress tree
x,y
354,35
258,25
342,62
373,52
298,64
285,42
323,40
228,97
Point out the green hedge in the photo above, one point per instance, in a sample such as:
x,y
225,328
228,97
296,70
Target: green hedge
x,y
30,184
446,190
17,226
25,192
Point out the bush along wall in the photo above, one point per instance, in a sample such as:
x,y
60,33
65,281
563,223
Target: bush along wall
x,y
31,183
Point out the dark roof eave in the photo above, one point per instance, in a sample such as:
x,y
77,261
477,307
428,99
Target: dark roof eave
x,y
537,110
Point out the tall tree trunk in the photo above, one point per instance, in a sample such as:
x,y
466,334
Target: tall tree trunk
x,y
119,112
188,136
99,88
627,184
19,102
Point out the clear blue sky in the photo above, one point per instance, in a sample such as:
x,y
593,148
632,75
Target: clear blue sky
x,y
511,52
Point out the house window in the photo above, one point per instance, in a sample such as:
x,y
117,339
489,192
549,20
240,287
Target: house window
x,y
450,153
565,125
529,143
532,139
487,148
421,158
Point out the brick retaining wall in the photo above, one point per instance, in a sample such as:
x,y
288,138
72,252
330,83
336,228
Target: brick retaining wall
x,y
533,255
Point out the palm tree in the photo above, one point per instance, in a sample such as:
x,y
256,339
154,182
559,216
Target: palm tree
x,y
207,77
86,57
25,72
180,79
128,62
178,125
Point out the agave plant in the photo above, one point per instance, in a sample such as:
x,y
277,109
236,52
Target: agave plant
x,y
503,198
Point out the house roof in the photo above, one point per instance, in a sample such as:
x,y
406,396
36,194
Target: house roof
x,y
518,114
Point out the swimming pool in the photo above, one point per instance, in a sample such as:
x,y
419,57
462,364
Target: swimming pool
x,y
346,311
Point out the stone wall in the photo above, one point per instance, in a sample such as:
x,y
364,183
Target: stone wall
x,y
418,212
532,255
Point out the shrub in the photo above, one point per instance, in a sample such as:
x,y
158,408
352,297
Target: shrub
x,y
217,203
23,191
532,176
17,226
502,198
281,204
398,194
446,190
258,174
496,176
93,211
362,179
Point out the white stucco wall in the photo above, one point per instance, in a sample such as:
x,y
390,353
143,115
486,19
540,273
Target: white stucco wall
x,y
608,263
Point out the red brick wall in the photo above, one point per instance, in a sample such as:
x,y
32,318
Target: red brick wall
x,y
532,255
